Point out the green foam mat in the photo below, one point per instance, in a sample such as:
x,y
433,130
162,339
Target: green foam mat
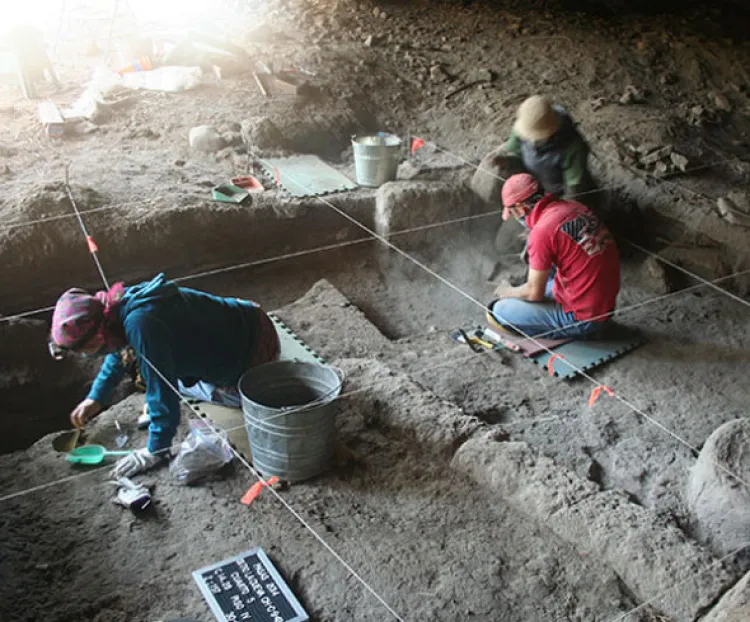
x,y
307,175
292,347
590,353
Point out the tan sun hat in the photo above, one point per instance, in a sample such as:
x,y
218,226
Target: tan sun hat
x,y
536,119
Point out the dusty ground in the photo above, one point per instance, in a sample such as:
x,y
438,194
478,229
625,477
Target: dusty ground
x,y
416,530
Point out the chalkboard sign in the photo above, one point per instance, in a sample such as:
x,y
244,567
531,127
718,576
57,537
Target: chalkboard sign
x,y
248,588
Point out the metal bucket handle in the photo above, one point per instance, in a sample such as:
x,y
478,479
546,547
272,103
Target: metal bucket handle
x,y
290,410
321,399
403,150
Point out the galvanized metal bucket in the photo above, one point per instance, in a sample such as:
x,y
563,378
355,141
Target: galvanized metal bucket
x,y
289,410
376,158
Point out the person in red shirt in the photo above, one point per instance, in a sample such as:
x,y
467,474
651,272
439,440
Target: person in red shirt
x,y
574,267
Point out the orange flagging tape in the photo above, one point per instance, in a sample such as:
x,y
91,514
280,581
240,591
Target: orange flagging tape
x,y
596,392
551,363
93,248
416,145
255,489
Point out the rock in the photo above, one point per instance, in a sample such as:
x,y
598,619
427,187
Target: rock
x,y
370,41
487,181
660,169
632,95
718,502
376,11
480,75
680,161
438,73
655,277
553,76
734,606
729,212
598,102
722,103
206,139
700,116
260,132
655,155
383,15
740,200
668,78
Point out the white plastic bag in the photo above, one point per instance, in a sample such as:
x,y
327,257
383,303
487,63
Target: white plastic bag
x,y
167,79
201,454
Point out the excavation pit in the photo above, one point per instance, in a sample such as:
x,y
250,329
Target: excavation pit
x,y
480,488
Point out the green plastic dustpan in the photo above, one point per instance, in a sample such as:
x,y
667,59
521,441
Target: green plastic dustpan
x,y
229,193
92,454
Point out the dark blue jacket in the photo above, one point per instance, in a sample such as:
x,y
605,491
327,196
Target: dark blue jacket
x,y
187,335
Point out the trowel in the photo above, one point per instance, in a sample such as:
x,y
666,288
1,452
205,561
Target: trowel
x,y
122,437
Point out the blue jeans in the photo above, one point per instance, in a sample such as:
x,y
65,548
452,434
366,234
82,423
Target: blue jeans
x,y
537,318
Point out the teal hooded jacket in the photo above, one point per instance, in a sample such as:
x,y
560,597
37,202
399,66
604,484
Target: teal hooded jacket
x,y
186,335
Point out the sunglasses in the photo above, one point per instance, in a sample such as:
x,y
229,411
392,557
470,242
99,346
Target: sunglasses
x,y
56,352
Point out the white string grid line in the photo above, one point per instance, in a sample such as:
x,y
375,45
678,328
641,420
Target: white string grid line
x,y
252,470
653,599
581,372
426,369
466,295
470,298
18,224
292,255
373,235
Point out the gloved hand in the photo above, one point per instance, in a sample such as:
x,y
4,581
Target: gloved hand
x,y
139,461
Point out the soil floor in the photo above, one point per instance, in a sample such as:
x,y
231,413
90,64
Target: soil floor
x,y
430,541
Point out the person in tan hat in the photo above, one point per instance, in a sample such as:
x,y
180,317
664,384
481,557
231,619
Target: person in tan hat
x,y
545,143
549,146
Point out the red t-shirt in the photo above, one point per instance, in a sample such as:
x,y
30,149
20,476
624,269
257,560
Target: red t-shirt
x,y
569,236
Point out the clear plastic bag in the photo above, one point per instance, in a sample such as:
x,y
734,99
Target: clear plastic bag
x,y
203,453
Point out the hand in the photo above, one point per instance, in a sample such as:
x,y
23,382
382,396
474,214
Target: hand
x,y
85,412
504,290
139,461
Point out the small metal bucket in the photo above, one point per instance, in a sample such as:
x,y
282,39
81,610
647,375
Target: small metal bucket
x,y
289,411
376,158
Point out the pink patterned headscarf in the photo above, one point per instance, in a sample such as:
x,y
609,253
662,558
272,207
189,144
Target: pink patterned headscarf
x,y
81,319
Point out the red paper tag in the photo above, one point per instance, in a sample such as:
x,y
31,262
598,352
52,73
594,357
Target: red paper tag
x,y
551,363
416,145
597,392
254,490
93,248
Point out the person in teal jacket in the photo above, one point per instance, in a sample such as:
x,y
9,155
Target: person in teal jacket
x,y
182,339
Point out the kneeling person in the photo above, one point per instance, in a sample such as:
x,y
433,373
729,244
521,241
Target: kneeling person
x,y
574,266
181,338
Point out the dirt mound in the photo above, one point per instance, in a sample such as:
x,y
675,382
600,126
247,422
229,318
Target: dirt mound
x,y
41,201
